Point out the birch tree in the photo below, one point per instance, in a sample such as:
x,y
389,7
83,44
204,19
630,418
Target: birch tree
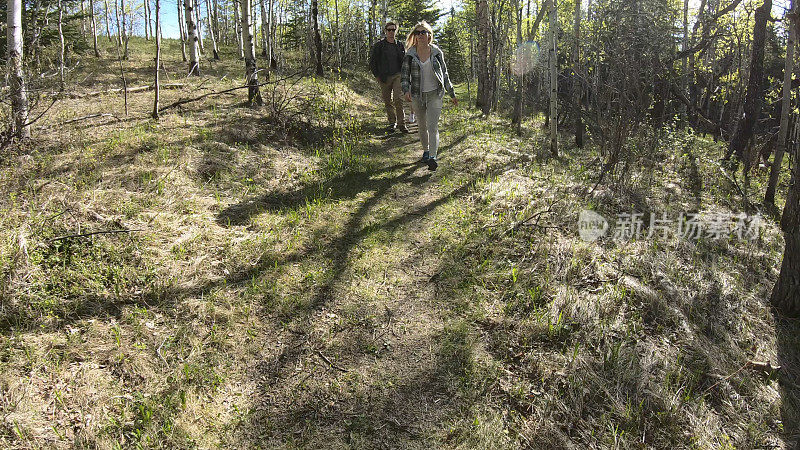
x,y
253,93
19,99
93,24
553,60
181,29
108,27
198,26
577,83
156,86
769,198
61,46
214,49
191,38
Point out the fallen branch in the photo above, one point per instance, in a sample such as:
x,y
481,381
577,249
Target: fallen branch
x,y
328,361
133,89
298,74
90,116
209,94
70,236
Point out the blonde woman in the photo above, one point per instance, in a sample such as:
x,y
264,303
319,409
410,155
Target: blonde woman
x,y
424,80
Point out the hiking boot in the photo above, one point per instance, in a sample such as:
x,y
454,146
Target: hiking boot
x,y
403,129
425,157
432,164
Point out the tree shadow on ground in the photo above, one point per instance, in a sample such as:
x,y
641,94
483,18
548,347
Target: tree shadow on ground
x,y
788,339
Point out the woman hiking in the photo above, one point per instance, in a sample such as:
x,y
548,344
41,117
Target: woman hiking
x,y
424,80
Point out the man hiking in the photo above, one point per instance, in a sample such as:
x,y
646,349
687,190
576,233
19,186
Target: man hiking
x,y
385,60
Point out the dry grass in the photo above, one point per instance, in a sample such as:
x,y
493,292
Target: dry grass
x,y
300,283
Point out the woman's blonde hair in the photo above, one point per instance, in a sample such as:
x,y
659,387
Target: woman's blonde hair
x,y
410,39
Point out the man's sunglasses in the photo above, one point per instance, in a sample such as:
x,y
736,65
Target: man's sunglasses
x,y
419,32
391,29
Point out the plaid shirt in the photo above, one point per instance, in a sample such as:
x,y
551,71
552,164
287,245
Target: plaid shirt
x,y
410,79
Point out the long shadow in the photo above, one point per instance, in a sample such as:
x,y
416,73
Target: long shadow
x,y
341,187
411,398
788,339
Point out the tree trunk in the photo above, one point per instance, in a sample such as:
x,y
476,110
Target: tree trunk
x,y
786,292
272,61
685,47
775,170
753,96
483,101
237,26
214,49
215,5
198,24
191,38
337,37
577,84
150,16
253,93
553,50
516,117
119,27
61,47
108,27
181,30
146,14
158,59
317,37
19,98
124,29
93,24
83,21
264,31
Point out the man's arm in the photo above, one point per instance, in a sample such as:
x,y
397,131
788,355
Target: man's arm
x,y
373,59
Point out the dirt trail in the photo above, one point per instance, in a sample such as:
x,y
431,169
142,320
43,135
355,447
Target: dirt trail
x,y
363,364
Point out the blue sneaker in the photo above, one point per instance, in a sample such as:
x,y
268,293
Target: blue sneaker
x,y
425,157
432,164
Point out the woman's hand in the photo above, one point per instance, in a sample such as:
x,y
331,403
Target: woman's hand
x,y
407,96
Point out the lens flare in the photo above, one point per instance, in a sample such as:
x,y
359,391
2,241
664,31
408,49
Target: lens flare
x,y
526,58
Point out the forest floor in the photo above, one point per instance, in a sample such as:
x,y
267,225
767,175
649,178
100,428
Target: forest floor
x,y
293,278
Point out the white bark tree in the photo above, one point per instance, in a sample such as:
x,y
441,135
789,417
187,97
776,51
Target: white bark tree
x,y
191,38
553,59
181,29
237,25
577,80
198,25
16,78
209,16
253,92
61,47
780,148
158,59
94,28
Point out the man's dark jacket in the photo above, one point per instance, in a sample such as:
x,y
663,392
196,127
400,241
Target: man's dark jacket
x,y
381,63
